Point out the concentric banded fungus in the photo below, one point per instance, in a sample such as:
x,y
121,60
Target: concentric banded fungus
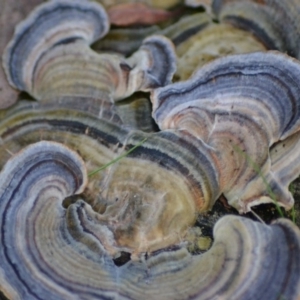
x,y
136,111
49,25
274,22
124,40
11,13
239,105
149,198
285,159
47,253
53,247
50,56
198,40
185,28
212,42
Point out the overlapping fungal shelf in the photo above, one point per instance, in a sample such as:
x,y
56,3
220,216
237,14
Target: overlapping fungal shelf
x,y
228,125
239,105
66,257
46,62
274,22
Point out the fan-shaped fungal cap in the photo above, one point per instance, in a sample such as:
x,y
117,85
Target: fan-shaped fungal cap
x,y
75,70
153,193
46,253
185,28
198,40
157,58
240,105
124,40
274,22
52,23
214,41
285,160
11,13
64,65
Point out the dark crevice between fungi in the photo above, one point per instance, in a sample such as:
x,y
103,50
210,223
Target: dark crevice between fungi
x,y
25,96
124,258
71,200
2,297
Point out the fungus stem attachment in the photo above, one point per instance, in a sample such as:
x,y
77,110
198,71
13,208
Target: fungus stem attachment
x,y
117,158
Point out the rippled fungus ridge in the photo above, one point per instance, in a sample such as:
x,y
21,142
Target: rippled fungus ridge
x,y
100,186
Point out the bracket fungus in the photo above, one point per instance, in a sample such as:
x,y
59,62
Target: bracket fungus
x,y
11,13
161,188
124,40
198,40
47,253
50,56
215,40
122,233
274,22
239,105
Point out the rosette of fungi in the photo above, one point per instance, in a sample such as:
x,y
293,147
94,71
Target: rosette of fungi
x,y
148,199
50,56
127,40
49,251
254,26
56,245
240,106
274,22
